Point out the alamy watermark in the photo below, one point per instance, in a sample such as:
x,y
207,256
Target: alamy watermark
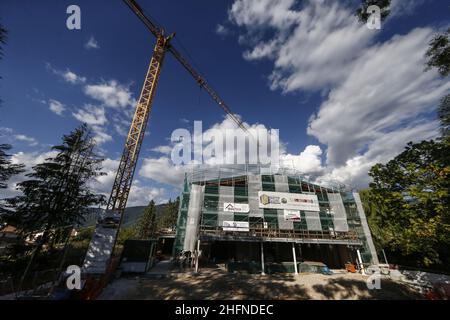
x,y
73,21
73,281
374,19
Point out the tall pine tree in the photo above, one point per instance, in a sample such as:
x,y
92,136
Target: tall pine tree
x,y
57,193
146,225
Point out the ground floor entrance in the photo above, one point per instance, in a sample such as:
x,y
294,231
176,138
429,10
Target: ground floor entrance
x,y
335,256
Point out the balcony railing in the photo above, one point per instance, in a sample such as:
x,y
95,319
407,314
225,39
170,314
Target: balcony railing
x,y
278,233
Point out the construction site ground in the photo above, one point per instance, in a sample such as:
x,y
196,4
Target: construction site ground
x,y
217,283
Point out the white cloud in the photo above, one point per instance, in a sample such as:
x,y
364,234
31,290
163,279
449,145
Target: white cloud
x,y
162,170
312,48
308,161
256,14
163,149
56,107
30,140
139,194
67,75
8,135
95,117
376,95
29,159
354,171
111,94
100,135
401,7
92,44
91,115
385,89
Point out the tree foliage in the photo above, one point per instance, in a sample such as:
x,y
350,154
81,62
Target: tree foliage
x,y
7,168
58,193
146,225
438,53
409,203
169,216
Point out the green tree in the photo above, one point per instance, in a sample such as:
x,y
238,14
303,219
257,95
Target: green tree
x,y
58,193
146,225
409,203
169,215
7,170
438,53
444,117
125,234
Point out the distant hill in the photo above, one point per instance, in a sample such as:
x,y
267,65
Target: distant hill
x,y
132,214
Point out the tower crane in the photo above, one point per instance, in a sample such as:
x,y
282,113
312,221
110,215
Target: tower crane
x,y
103,242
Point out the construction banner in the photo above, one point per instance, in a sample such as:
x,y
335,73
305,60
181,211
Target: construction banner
x,y
293,201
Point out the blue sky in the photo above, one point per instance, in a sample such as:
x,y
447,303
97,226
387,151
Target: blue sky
x,y
343,97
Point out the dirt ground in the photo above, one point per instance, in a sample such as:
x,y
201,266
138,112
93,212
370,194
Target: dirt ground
x,y
219,284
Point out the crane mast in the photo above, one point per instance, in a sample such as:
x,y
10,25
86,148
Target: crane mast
x,y
124,176
98,256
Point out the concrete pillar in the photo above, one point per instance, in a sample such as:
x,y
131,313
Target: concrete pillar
x,y
360,261
262,258
295,258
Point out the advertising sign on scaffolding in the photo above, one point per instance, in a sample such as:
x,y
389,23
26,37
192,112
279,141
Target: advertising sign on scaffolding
x,y
291,215
290,201
236,207
235,226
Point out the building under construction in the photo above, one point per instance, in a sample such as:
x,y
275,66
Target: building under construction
x,y
248,214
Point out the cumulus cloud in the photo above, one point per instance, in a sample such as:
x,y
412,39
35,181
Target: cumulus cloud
x,y
354,172
30,140
110,94
9,135
163,149
95,118
29,159
385,90
91,115
140,194
56,107
308,161
163,170
311,48
376,97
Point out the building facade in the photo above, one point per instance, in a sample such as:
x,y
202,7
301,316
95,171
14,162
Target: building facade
x,y
248,214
